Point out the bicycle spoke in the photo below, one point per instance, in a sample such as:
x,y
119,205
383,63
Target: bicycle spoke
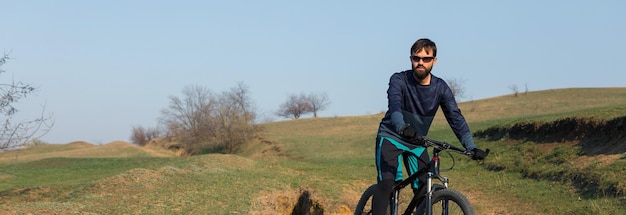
x,y
446,207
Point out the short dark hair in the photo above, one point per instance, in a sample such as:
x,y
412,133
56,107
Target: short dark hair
x,y
425,44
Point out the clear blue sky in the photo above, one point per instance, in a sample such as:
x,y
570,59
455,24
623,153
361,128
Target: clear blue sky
x,y
102,67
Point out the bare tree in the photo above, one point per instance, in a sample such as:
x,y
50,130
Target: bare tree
x,y
189,119
14,135
236,117
457,87
515,89
295,107
318,102
202,120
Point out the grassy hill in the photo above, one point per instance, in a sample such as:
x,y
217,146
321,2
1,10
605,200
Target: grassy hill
x,y
324,164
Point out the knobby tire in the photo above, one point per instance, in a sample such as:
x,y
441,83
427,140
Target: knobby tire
x,y
364,207
457,203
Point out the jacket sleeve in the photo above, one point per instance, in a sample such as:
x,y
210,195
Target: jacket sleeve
x,y
455,118
394,98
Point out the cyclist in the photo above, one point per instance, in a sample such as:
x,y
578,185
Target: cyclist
x,y
413,99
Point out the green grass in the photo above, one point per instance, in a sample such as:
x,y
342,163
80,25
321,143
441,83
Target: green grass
x,y
534,175
333,159
70,171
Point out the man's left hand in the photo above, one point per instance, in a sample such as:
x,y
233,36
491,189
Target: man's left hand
x,y
478,154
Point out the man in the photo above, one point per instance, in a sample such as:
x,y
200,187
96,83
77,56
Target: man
x,y
413,99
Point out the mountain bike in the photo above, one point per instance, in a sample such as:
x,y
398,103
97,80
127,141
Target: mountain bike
x,y
430,198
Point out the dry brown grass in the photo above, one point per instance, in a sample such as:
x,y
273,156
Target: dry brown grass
x,y
537,103
116,149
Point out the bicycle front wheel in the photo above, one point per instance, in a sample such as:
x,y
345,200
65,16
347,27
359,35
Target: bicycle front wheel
x,y
448,201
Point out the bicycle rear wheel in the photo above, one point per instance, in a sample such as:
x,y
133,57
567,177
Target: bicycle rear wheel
x,y
448,201
364,207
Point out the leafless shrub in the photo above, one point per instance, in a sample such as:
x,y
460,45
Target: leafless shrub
x,y
141,136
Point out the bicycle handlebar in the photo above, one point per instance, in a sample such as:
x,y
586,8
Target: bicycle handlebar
x,y
423,140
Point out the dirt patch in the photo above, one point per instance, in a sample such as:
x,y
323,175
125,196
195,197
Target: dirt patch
x,y
295,202
288,202
306,205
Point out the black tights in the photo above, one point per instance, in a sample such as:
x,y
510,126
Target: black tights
x,y
382,195
388,166
380,200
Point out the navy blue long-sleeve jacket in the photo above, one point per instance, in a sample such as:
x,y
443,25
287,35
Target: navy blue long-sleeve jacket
x,y
415,104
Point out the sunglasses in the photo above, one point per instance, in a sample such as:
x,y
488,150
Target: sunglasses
x,y
424,59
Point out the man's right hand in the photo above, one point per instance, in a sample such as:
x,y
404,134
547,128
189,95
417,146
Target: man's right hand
x,y
408,132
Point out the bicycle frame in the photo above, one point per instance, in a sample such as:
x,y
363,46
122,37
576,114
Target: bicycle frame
x,y
432,172
428,191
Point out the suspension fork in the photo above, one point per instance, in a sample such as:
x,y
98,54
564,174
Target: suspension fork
x,y
433,173
395,201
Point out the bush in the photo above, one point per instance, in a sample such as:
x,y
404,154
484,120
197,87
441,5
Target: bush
x,y
141,136
202,121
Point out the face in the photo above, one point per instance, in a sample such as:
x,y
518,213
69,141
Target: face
x,y
422,63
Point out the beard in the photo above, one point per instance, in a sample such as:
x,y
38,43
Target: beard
x,y
421,74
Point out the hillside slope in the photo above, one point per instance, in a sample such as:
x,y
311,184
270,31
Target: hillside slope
x,y
324,164
80,149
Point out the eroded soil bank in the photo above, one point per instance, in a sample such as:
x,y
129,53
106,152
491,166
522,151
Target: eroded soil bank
x,y
594,136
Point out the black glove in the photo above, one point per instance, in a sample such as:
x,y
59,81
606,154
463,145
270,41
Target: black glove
x,y
478,154
408,132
